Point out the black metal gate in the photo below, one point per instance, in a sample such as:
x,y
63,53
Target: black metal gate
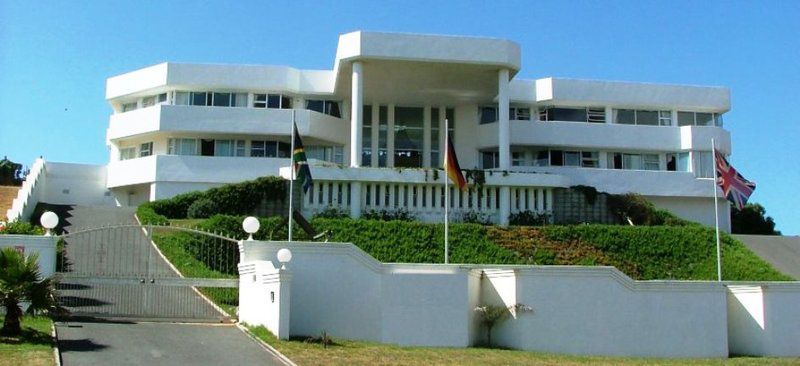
x,y
153,272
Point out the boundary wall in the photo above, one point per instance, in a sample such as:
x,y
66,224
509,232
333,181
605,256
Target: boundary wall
x,y
576,310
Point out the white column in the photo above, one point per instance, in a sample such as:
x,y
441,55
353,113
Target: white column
x,y
426,137
356,114
503,134
376,109
505,205
355,199
442,134
609,114
675,117
390,138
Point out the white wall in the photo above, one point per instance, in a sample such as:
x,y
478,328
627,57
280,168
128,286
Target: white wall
x,y
577,310
697,209
76,184
44,245
599,311
763,319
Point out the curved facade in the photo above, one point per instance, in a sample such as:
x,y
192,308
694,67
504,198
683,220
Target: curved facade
x,y
374,127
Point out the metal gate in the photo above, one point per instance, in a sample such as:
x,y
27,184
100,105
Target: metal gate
x,y
154,272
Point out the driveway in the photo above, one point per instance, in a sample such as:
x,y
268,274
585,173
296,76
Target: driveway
x,y
121,344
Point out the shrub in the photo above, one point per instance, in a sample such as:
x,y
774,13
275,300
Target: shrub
x,y
332,213
400,214
21,228
474,217
640,211
201,209
528,218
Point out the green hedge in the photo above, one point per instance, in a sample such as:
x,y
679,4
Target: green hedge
x,y
21,228
232,199
664,252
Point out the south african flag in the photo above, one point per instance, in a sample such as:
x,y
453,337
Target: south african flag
x,y
301,171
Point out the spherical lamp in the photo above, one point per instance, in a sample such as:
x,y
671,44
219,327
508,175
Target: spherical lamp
x,y
250,226
284,256
49,220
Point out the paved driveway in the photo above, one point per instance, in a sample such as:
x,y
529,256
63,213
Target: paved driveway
x,y
121,344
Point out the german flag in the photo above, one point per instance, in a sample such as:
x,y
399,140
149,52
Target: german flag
x,y
299,162
452,168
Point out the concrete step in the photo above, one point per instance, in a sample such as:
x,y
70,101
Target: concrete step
x,y
7,196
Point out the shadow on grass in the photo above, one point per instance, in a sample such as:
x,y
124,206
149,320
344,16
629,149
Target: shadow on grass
x,y
28,336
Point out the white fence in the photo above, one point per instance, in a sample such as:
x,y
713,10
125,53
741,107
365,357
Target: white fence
x,y
424,200
577,310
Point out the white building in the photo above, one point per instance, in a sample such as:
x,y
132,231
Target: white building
x,y
376,121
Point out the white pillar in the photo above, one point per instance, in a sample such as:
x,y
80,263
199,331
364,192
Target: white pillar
x,y
356,114
355,200
390,138
376,109
503,134
442,134
609,114
505,205
426,138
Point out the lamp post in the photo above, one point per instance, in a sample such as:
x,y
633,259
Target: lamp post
x,y
250,226
49,220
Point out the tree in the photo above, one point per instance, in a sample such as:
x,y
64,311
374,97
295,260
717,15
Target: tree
x,y
11,173
752,219
20,281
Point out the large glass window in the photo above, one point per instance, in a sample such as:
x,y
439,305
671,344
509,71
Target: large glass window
x,y
408,136
366,136
699,119
127,153
383,133
487,115
181,98
199,98
328,107
519,114
703,164
633,161
127,107
146,149
641,117
435,157
517,158
180,146
490,159
572,114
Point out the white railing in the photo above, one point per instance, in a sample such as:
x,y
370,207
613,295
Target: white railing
x,y
426,201
22,207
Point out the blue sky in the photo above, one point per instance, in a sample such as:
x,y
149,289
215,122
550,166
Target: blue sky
x,y
56,55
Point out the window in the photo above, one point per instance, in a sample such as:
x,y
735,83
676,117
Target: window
x,y
148,101
162,98
594,115
180,146
181,98
146,149
490,159
259,101
556,158
267,149
284,149
642,118
542,158
324,106
128,107
276,101
333,154
221,99
408,136
633,161
703,164
487,115
517,158
572,158
127,153
366,136
590,159
199,98
699,119
519,114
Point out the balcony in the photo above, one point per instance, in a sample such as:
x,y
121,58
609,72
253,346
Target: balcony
x,y
227,120
608,136
191,169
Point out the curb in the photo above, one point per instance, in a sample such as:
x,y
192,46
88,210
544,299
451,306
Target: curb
x,y
266,346
56,350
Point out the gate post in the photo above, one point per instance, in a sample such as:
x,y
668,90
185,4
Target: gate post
x,y
265,296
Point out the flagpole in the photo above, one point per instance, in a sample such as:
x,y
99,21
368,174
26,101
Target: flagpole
x,y
446,190
716,209
291,174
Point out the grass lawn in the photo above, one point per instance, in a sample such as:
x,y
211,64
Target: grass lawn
x,y
34,347
366,353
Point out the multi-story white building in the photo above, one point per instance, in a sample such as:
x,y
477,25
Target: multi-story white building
x,y
375,124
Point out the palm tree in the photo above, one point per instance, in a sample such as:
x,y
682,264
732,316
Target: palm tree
x,y
20,280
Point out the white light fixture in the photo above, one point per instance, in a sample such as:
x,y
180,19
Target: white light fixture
x,y
250,226
284,256
49,220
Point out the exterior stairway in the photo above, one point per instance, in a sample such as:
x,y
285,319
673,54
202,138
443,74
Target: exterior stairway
x,y
7,195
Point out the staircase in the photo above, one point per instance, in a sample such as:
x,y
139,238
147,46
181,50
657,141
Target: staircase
x,y
7,195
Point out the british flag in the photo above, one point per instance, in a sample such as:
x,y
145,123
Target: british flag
x,y
734,186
